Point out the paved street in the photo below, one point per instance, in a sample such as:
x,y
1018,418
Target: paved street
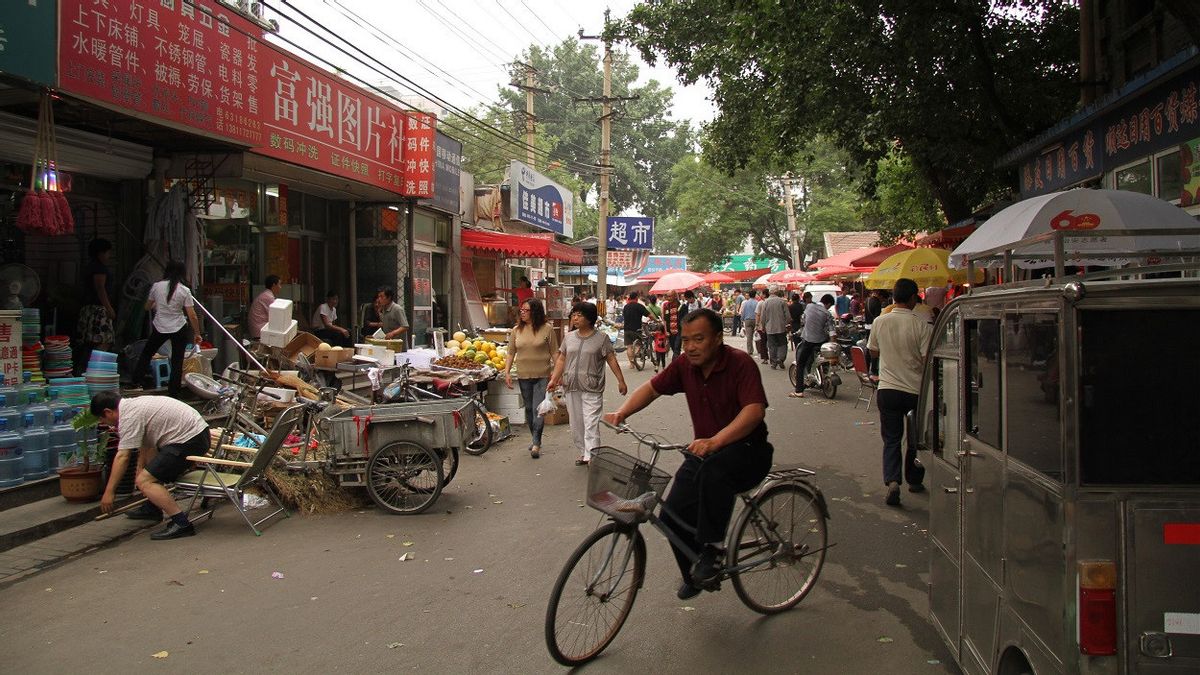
x,y
474,596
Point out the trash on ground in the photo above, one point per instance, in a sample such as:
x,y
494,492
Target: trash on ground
x,y
394,645
687,608
406,556
202,572
276,575
160,655
885,639
478,571
407,543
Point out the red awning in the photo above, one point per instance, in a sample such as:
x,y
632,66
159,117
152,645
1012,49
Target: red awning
x,y
522,245
869,256
949,238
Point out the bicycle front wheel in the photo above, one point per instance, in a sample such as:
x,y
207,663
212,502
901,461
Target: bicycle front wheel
x,y
783,536
594,593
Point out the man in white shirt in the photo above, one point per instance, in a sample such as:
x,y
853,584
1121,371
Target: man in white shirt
x,y
168,431
900,340
324,322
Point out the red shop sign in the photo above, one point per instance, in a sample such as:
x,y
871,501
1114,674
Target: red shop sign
x,y
200,65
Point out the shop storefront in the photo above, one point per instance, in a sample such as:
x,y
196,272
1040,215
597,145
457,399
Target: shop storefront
x,y
313,178
1144,137
496,258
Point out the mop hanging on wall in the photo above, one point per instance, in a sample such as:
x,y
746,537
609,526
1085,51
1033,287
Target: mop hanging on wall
x,y
44,208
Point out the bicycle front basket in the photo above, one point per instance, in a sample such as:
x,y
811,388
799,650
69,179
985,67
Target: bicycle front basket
x,y
613,474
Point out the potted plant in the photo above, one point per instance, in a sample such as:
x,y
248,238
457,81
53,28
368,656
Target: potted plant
x,y
82,480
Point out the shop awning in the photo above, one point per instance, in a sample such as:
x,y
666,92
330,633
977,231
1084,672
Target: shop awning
x,y
522,245
746,275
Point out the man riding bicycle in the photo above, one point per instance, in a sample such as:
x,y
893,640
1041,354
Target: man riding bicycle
x,y
730,453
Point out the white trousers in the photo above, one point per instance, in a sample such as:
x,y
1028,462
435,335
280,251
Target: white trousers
x,y
584,409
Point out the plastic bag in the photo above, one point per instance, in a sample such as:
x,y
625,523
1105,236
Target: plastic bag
x,y
546,407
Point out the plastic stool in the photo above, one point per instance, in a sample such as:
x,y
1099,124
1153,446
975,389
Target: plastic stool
x,y
162,372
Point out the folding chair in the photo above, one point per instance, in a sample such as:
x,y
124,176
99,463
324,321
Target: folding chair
x,y
865,379
216,479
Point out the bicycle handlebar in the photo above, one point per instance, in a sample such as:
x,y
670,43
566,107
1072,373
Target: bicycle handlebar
x,y
648,439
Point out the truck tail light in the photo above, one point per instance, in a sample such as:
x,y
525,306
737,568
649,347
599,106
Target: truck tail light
x,y
1098,608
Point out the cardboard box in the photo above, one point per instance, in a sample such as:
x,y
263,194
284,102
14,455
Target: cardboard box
x,y
559,416
329,358
303,343
277,338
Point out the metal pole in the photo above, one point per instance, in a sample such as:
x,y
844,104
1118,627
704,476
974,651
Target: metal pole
x,y
529,156
605,156
354,262
1058,255
791,221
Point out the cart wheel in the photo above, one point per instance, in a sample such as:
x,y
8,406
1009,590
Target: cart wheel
x,y
404,477
449,464
481,440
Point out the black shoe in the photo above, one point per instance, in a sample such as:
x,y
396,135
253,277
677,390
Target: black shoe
x,y
174,531
916,487
893,494
687,591
707,570
146,511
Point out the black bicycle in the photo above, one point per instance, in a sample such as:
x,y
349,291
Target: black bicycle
x,y
774,552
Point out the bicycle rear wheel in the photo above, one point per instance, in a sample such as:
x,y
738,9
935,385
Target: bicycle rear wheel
x,y
785,532
594,593
482,438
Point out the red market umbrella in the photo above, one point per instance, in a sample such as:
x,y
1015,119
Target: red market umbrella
x,y
717,278
831,271
677,282
791,277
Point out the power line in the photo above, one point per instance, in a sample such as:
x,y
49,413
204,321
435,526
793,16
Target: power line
x,y
484,126
522,25
538,17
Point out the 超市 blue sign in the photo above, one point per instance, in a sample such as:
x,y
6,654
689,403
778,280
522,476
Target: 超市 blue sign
x,y
631,232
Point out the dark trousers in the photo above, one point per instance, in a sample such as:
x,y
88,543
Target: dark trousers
x,y
702,495
777,348
893,405
179,342
804,358
737,324
676,341
333,337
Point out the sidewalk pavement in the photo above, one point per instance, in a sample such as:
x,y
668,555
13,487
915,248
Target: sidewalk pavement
x,y
29,559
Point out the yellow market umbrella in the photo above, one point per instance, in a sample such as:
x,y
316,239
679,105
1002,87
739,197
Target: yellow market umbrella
x,y
926,266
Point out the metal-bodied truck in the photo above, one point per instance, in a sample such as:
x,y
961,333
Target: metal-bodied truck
x,y
1058,428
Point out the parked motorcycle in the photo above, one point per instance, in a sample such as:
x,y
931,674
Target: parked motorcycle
x,y
823,373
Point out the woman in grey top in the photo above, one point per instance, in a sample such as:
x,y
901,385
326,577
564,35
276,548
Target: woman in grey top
x,y
580,369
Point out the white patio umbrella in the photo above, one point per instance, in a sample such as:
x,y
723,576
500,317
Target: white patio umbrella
x,y
1081,210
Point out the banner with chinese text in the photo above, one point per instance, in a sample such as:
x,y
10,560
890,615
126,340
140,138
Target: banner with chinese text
x,y
539,201
631,232
200,65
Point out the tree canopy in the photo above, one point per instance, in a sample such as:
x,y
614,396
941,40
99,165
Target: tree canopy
x,y
718,214
952,85
646,142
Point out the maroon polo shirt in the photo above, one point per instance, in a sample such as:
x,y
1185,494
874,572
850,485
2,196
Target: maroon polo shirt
x,y
734,383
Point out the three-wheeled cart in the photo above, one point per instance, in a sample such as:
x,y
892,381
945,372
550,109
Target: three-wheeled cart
x,y
403,453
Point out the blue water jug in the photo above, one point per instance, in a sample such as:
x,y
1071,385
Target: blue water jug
x,y
12,470
36,442
62,441
8,413
40,411
56,404
29,387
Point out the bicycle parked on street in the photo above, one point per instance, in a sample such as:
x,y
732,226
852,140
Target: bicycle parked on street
x,y
774,551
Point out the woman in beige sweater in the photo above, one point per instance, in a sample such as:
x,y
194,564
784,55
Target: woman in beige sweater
x,y
531,348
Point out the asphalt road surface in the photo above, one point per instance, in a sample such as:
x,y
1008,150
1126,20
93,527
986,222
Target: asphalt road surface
x,y
472,598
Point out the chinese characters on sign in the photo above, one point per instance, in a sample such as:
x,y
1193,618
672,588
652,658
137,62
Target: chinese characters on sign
x,y
200,65
10,347
1165,116
447,169
631,232
539,201
422,276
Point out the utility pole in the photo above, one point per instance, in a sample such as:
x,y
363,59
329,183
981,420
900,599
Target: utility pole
x,y
793,242
605,161
530,88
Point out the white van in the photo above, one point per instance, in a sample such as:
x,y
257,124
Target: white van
x,y
819,290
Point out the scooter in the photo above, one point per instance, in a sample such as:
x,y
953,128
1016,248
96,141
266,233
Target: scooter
x,y
823,373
